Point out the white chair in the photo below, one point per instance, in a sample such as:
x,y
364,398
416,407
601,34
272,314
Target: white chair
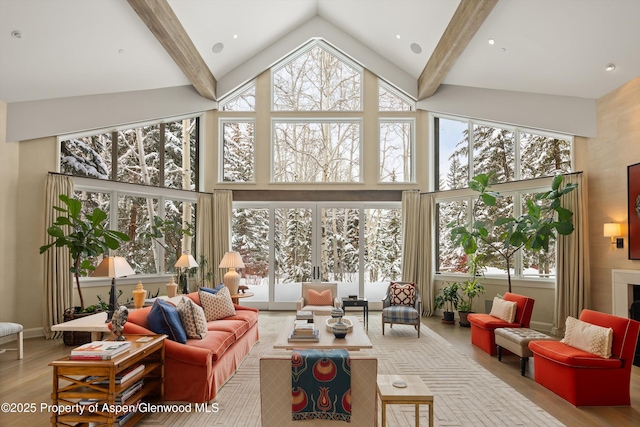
x,y
6,329
321,310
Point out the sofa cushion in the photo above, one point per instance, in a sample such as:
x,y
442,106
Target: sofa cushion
x,y
217,306
504,310
235,327
248,316
487,321
192,318
319,298
402,294
211,290
217,342
164,319
591,338
570,356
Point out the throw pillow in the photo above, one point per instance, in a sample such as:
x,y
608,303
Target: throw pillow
x,y
319,298
587,337
192,318
163,318
217,306
212,290
504,310
402,294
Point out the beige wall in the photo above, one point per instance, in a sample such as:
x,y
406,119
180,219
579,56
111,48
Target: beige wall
x,y
616,147
9,154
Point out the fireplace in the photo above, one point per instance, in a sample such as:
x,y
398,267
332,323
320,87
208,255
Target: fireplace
x,y
626,298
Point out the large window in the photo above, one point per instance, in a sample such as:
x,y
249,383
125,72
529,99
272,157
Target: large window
x,y
464,148
396,146
135,189
323,151
160,154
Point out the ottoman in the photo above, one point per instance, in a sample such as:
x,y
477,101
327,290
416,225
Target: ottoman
x,y
516,340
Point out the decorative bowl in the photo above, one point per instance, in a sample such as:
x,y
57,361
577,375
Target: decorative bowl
x,y
331,322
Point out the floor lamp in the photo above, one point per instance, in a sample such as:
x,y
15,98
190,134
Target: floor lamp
x,y
113,266
187,261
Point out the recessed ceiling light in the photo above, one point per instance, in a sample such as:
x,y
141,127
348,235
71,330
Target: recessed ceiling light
x,y
491,41
610,67
235,36
398,36
217,48
504,49
16,34
121,51
415,48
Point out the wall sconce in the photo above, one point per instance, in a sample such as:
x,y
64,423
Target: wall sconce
x,y
614,231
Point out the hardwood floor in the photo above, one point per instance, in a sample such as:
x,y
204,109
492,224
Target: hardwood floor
x,y
509,371
30,381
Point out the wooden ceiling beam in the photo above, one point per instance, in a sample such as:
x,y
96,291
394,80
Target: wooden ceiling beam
x,y
464,24
164,24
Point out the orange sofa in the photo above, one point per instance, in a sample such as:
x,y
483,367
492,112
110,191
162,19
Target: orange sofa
x,y
583,378
193,372
484,325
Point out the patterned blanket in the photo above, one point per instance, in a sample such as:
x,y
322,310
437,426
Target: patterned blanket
x,y
321,385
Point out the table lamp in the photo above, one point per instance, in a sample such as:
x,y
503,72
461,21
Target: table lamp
x,y
231,280
113,266
187,261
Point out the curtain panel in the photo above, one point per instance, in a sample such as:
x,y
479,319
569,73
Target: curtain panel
x,y
213,228
572,283
58,281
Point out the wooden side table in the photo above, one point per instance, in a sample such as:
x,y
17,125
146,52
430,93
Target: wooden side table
x,y
415,393
236,297
72,382
358,302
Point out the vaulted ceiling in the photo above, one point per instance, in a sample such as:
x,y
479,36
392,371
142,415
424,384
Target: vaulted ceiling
x,y
62,48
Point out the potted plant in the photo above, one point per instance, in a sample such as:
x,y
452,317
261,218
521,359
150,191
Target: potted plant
x,y
86,237
449,300
471,288
535,229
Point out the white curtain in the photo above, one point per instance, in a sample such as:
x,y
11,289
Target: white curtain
x,y
418,220
213,228
58,281
572,287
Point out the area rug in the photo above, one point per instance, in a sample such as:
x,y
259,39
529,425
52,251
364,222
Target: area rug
x,y
465,393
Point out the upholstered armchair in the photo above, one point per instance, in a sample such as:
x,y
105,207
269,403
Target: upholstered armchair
x,y
484,325
320,298
578,369
402,305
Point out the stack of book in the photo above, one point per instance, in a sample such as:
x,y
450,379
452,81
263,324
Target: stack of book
x,y
121,378
304,331
121,398
99,350
305,315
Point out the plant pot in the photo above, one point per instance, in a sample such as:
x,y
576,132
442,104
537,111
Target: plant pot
x,y
463,319
75,338
448,317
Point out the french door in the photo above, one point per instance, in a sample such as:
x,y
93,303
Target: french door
x,y
286,244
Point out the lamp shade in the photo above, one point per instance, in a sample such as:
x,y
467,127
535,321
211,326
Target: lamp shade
x,y
186,261
231,260
113,266
612,229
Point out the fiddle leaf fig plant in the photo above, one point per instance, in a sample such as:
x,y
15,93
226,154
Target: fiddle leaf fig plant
x,y
87,238
540,223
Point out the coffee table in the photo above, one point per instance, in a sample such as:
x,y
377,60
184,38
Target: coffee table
x,y
355,340
415,393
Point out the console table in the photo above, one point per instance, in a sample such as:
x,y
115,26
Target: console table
x,y
71,382
358,302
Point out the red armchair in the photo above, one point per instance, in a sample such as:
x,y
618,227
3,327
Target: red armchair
x,y
483,325
583,378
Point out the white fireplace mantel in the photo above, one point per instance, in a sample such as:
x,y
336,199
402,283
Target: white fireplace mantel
x,y
622,281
